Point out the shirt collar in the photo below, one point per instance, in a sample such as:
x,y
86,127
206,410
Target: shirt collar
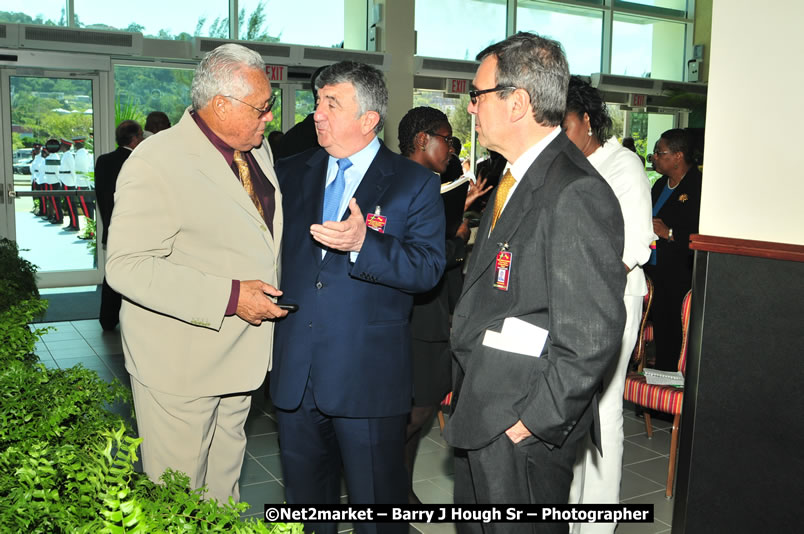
x,y
226,151
361,160
523,162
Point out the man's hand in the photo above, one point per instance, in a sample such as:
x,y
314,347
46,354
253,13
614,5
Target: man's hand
x,y
518,432
346,235
253,304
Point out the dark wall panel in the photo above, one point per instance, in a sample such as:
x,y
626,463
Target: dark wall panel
x,y
740,465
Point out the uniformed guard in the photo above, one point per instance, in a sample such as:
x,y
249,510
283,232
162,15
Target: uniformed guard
x,y
52,183
83,166
38,179
67,179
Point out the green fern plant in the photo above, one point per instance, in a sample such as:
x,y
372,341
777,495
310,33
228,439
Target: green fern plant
x,y
67,463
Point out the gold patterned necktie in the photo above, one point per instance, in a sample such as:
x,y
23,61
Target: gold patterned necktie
x,y
245,179
503,188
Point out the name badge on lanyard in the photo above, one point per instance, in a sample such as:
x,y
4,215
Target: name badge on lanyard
x,y
376,222
502,268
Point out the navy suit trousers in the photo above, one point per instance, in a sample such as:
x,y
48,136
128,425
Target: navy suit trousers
x,y
312,444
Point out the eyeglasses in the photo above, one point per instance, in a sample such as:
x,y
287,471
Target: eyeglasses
x,y
447,138
473,94
652,156
263,112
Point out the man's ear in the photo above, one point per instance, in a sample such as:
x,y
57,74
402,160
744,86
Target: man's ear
x,y
519,105
219,106
369,121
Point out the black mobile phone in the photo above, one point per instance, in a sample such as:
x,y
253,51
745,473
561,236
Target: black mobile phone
x,y
289,307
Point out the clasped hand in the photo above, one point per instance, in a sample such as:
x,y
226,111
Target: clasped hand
x,y
345,235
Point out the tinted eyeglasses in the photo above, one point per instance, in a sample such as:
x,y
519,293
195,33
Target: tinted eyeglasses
x,y
264,111
473,94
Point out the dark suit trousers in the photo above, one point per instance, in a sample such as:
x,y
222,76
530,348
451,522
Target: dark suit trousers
x,y
313,445
110,307
506,473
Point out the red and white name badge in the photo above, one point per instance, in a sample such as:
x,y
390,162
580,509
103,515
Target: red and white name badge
x,y
502,270
376,222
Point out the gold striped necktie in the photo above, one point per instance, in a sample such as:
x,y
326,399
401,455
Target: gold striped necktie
x,y
245,179
503,188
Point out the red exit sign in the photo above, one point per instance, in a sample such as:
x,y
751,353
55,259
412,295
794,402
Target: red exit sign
x,y
455,85
277,73
638,101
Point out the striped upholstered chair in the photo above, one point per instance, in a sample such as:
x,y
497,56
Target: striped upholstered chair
x,y
666,399
645,334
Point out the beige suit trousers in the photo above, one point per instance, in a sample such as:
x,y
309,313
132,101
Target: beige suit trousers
x,y
203,437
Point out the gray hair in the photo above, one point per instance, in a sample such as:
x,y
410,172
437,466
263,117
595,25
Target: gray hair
x,y
372,94
538,66
219,73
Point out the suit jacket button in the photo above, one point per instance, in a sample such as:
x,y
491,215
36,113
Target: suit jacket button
x,y
319,285
310,324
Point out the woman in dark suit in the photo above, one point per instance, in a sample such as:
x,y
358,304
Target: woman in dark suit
x,y
425,137
676,208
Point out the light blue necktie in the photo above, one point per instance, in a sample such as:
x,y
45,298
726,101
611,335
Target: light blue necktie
x,y
334,192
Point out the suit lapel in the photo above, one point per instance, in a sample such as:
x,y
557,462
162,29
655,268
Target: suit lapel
x,y
211,164
371,188
513,214
374,183
313,184
264,158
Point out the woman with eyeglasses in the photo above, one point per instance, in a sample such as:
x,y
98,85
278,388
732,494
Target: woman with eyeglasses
x,y
425,137
587,123
676,208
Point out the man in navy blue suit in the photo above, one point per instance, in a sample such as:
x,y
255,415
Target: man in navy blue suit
x,y
364,231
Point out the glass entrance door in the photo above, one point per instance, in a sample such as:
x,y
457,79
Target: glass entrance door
x,y
48,192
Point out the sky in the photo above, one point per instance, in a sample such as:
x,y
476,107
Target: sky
x,y
455,29
323,24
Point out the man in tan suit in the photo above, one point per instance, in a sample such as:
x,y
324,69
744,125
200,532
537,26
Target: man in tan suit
x,y
195,254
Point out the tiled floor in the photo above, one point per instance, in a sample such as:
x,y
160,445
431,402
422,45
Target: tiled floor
x,y
645,460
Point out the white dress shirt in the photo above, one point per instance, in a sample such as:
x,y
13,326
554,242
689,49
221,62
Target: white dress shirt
x,y
523,163
352,176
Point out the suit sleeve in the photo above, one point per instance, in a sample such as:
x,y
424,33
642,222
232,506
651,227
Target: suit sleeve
x,y
455,251
146,221
586,281
413,262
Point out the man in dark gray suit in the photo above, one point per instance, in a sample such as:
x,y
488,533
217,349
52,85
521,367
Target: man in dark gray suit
x,y
547,262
